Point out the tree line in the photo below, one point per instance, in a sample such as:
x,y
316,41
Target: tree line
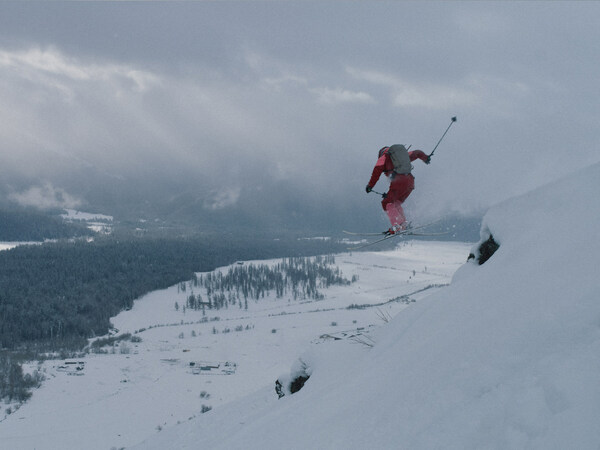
x,y
59,294
298,277
30,225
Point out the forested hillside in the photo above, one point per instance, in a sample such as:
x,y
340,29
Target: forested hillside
x,y
62,293
29,225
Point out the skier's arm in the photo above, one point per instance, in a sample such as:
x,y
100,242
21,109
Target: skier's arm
x,y
377,171
418,154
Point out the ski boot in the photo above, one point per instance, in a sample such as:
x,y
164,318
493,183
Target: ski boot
x,y
397,229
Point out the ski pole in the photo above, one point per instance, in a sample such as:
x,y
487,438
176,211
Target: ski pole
x,y
380,193
436,145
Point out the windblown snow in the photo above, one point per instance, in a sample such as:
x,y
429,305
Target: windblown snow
x,y
507,357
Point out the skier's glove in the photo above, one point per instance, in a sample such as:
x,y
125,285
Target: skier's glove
x,y
368,189
428,160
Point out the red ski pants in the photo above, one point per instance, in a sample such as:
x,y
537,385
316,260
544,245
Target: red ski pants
x,y
400,188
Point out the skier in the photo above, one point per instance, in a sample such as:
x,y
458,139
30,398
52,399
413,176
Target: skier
x,y
395,163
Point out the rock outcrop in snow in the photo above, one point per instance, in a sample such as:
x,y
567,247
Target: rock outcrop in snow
x,y
484,249
295,380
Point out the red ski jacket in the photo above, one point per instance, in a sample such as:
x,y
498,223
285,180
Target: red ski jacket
x,y
384,165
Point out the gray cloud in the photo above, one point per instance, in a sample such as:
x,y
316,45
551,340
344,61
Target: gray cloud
x,y
45,197
284,105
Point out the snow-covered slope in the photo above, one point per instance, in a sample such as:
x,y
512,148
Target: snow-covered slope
x,y
507,357
140,387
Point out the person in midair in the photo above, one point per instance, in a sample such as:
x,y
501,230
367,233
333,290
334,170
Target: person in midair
x,y
395,163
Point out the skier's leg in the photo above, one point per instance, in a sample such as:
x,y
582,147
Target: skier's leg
x,y
402,185
396,215
393,208
400,189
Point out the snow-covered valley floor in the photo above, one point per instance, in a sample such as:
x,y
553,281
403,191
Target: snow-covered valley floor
x,y
140,389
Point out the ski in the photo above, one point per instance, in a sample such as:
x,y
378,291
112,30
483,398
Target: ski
x,y
442,233
408,232
409,229
352,233
368,244
390,236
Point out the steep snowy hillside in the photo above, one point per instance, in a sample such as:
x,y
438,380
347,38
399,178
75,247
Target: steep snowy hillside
x,y
507,357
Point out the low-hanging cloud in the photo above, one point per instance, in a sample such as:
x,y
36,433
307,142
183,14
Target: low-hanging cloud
x,y
45,197
262,116
222,199
123,122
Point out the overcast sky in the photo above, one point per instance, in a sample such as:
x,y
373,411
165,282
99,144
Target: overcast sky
x,y
232,100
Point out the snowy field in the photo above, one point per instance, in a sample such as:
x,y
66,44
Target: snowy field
x,y
138,390
73,214
100,223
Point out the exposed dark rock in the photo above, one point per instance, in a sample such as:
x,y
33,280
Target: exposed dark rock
x,y
279,389
485,251
292,383
298,383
